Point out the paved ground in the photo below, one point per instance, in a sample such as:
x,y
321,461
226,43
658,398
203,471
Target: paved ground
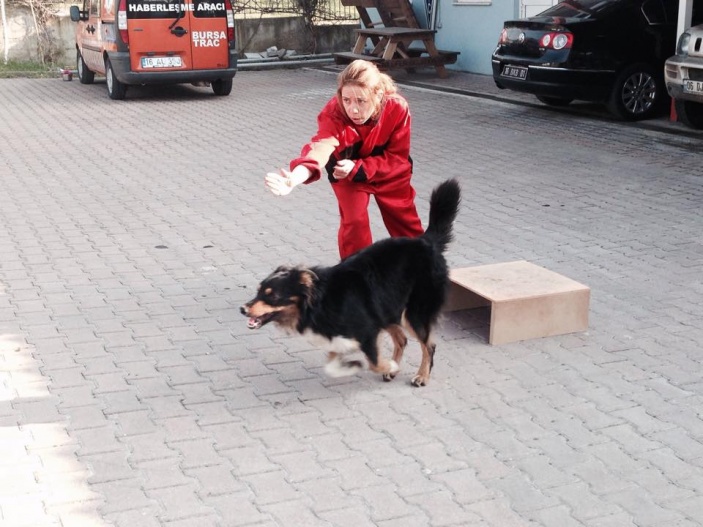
x,y
133,395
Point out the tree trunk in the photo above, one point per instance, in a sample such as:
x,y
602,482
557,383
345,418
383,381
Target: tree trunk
x,y
5,30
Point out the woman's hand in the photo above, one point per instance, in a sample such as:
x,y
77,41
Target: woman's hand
x,y
343,168
283,182
279,184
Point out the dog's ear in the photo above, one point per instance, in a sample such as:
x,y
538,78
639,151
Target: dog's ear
x,y
307,280
281,270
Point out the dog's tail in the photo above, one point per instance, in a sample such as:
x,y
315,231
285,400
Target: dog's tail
x,y
444,207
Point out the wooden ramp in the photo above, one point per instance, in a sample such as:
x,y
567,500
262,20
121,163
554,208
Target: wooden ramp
x,y
526,301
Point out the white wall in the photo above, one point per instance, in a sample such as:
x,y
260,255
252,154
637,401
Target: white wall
x,y
22,36
473,30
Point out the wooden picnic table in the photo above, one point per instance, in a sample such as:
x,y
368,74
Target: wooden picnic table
x,y
392,49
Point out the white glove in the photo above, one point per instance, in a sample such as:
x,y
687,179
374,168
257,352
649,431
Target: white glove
x,y
284,182
343,168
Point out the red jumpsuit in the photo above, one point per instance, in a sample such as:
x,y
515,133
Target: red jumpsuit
x,y
381,151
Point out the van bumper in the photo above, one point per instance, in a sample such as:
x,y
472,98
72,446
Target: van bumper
x,y
123,71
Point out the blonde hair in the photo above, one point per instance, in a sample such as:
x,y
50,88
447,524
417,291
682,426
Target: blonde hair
x,y
366,76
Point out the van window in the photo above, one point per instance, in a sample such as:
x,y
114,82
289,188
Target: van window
x,y
156,8
108,8
94,7
209,8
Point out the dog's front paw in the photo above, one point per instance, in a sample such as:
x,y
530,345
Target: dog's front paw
x,y
393,371
419,380
339,368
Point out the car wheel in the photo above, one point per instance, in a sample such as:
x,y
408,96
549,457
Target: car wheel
x,y
637,93
115,89
84,74
690,113
554,101
222,86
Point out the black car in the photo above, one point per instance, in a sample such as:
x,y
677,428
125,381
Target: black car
x,y
605,51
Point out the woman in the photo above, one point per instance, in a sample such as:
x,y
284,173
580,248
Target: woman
x,y
363,143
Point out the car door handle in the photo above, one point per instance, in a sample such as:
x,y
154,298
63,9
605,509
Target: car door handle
x,y
179,31
90,29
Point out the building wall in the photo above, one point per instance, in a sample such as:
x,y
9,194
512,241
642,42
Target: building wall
x,y
472,30
22,38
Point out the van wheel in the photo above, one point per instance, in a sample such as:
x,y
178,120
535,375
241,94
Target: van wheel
x,y
84,74
689,113
222,86
115,89
637,93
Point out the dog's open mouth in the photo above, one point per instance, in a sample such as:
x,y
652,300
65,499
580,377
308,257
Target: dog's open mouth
x,y
257,322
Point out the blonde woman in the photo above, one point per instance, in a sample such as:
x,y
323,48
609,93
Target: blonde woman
x,y
363,144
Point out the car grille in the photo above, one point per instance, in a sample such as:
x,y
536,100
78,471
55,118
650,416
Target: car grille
x,y
695,74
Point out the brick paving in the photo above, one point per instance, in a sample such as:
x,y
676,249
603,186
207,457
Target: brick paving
x,y
132,394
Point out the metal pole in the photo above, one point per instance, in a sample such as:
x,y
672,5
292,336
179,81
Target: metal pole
x,y
684,22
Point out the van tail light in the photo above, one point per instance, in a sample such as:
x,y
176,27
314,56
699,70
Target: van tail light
x,y
230,21
122,21
560,40
503,37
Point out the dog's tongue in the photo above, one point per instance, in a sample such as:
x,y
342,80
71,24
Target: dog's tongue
x,y
253,323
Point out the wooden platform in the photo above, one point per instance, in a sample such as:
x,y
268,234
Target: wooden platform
x,y
526,301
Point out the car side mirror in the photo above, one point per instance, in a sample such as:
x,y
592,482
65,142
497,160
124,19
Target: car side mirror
x,y
77,14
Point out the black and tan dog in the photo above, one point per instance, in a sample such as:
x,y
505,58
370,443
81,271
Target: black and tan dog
x,y
393,284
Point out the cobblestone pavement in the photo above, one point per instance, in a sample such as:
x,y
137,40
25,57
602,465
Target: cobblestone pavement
x,y
132,394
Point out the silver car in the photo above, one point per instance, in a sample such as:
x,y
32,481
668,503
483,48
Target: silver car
x,y
683,75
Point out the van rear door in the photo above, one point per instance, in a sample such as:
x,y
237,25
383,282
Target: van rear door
x,y
159,35
177,34
209,34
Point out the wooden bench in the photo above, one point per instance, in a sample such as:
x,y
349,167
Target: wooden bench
x,y
344,57
392,26
526,301
390,52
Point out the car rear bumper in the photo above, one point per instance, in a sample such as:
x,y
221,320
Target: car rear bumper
x,y
121,66
587,85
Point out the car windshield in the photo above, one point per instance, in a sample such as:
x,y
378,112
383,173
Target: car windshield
x,y
579,8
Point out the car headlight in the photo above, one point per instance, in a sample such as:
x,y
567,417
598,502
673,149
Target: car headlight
x,y
682,47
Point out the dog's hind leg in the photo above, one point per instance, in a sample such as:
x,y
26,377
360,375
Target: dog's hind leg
x,y
399,342
423,334
423,373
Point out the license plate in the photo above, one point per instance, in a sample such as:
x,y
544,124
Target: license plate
x,y
161,62
514,72
690,86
